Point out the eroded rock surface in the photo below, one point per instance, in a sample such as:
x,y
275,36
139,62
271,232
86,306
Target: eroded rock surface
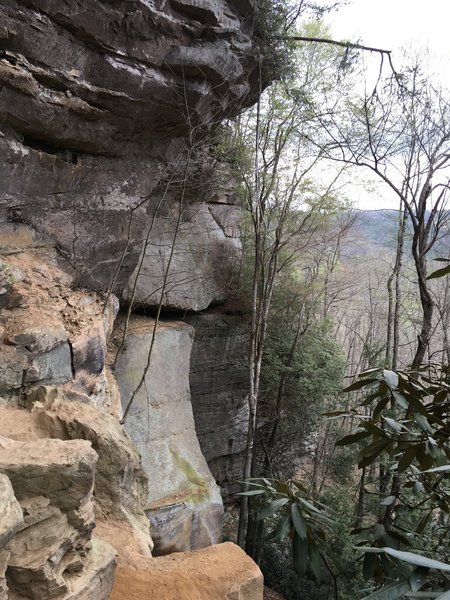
x,y
120,487
106,110
183,503
97,103
219,385
55,334
11,520
222,572
53,482
192,261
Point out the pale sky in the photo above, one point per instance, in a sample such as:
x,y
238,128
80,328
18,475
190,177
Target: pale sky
x,y
392,24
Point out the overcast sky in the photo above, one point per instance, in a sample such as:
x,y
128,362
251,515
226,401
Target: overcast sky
x,y
391,25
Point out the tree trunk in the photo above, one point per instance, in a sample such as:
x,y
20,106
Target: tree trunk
x,y
398,290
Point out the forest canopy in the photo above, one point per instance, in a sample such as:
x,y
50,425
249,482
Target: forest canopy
x,y
350,484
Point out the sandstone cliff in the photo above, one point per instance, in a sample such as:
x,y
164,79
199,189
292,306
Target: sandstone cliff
x,y
109,197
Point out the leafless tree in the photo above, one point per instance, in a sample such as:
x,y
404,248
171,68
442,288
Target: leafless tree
x,y
400,131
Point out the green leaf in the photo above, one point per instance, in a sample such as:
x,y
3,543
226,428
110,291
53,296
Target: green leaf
x,y
300,553
441,469
417,405
388,501
299,522
390,592
352,438
380,407
397,427
252,493
400,399
406,459
417,559
360,383
374,448
272,508
391,378
418,578
422,422
369,565
368,460
439,273
374,429
284,528
315,561
368,400
311,507
378,530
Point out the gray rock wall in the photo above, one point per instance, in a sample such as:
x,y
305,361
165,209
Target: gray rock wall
x,y
106,111
188,265
97,102
219,385
183,503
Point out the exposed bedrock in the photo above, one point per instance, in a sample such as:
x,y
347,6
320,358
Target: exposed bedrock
x,y
188,265
97,101
184,503
53,346
51,553
106,169
10,522
219,384
221,572
51,333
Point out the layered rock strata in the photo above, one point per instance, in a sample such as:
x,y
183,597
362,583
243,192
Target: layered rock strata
x,y
152,371
96,123
106,110
51,554
11,521
51,333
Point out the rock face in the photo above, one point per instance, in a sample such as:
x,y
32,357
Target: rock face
x,y
12,519
192,261
120,482
183,504
51,554
55,334
219,384
222,572
120,488
93,122
107,110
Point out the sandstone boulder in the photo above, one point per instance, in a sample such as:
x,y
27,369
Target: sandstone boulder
x,y
53,481
10,510
221,572
11,520
120,483
183,501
